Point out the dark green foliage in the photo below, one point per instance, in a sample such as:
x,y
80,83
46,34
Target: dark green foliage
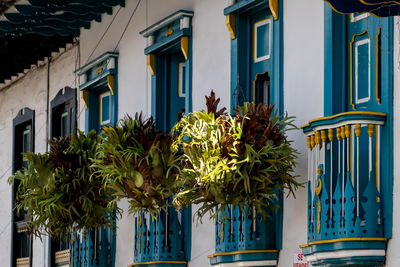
x,y
137,162
59,191
243,160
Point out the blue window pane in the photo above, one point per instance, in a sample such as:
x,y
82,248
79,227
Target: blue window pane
x,y
362,71
25,141
105,108
262,39
183,80
64,122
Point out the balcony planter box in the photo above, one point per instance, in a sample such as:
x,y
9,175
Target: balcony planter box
x,y
62,194
245,237
94,248
236,169
163,240
137,163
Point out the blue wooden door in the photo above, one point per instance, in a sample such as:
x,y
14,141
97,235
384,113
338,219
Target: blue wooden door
x,y
176,93
368,68
368,62
261,57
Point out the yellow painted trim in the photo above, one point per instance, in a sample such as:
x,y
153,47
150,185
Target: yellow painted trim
x,y
334,9
318,191
110,83
351,67
156,262
72,249
231,25
274,7
185,46
241,252
100,70
169,32
140,231
380,114
22,230
344,240
382,2
378,39
85,98
151,63
254,85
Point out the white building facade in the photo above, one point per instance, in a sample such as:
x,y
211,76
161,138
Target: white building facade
x,y
303,56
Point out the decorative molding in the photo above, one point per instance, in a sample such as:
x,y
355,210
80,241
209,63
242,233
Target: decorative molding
x,y
85,98
359,116
185,46
351,239
166,21
231,25
242,252
156,262
109,56
345,254
23,262
355,18
248,263
274,7
62,256
110,83
185,23
151,64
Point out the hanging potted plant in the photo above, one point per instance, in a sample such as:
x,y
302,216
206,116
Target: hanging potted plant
x,y
237,167
138,164
60,193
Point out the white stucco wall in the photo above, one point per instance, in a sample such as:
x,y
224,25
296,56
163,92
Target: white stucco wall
x,y
393,257
29,91
303,98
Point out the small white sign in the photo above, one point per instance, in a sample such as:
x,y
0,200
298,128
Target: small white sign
x,y
299,260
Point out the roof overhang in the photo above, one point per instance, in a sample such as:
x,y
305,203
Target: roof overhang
x,y
379,8
30,30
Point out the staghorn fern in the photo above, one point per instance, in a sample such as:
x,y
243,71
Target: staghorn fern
x,y
137,163
59,191
243,160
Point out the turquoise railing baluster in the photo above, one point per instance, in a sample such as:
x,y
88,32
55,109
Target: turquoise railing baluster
x,y
325,229
93,248
336,211
349,202
371,202
161,239
245,236
349,226
309,221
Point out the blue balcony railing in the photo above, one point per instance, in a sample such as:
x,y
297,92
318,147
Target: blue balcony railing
x,y
164,240
95,248
345,207
244,236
